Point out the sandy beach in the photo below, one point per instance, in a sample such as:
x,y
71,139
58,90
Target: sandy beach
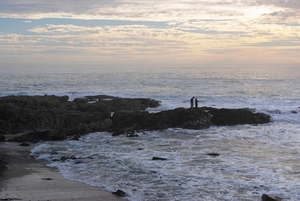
x,y
29,179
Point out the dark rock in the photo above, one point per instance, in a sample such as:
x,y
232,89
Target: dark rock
x,y
106,123
47,179
119,193
83,128
228,117
213,154
2,138
184,118
24,144
116,103
26,114
159,158
53,118
266,197
64,158
54,153
131,135
193,118
76,137
80,100
3,166
132,121
37,136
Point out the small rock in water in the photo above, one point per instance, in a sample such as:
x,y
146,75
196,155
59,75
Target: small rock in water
x,y
24,144
119,193
159,158
213,154
266,197
47,179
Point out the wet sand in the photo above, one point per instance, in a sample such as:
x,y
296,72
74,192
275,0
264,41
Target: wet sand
x,y
29,179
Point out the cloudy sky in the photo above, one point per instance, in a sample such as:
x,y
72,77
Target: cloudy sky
x,y
152,32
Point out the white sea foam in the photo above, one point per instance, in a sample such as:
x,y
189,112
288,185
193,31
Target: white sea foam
x,y
252,161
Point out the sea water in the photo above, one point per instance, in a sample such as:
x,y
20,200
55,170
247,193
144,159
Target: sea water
x,y
249,160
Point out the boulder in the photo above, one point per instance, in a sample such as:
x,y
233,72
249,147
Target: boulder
x,y
3,166
266,197
119,193
106,123
2,138
159,159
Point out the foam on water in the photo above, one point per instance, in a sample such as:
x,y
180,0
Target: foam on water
x,y
251,162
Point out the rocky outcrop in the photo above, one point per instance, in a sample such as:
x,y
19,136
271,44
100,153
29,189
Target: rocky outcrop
x,y
129,122
55,118
51,118
117,104
230,117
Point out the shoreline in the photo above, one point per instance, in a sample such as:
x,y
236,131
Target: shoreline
x,y
29,179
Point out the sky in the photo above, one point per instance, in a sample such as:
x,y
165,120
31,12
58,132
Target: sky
x,y
149,33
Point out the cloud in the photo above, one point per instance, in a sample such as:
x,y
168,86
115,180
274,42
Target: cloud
x,y
278,44
152,10
170,29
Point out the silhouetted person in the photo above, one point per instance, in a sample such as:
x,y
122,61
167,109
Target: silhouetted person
x,y
192,102
196,103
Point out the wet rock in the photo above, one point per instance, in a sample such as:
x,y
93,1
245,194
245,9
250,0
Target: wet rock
x,y
83,128
37,136
193,118
2,138
266,197
132,134
213,154
64,158
107,123
76,137
119,193
133,121
159,158
229,117
3,166
117,104
47,179
24,144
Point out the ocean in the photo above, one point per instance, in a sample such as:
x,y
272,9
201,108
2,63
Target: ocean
x,y
252,160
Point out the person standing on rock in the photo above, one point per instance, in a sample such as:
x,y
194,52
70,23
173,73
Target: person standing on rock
x,y
192,101
196,103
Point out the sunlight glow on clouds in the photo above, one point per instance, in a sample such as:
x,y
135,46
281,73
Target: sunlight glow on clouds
x,y
126,32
